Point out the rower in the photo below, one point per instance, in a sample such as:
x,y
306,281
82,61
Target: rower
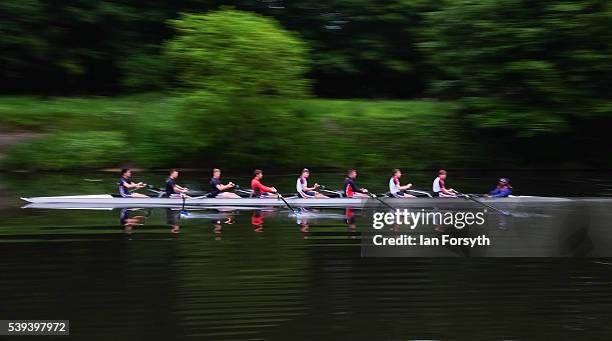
x,y
126,184
259,189
350,188
302,186
218,190
503,189
172,189
439,189
395,188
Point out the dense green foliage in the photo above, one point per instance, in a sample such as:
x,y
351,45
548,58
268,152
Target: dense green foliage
x,y
332,133
68,46
237,69
66,150
148,125
233,53
533,66
361,48
526,77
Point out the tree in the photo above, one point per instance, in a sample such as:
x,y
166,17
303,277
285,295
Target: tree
x,y
532,66
68,46
362,48
229,52
239,70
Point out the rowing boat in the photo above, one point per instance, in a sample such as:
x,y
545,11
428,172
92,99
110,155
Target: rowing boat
x,y
101,201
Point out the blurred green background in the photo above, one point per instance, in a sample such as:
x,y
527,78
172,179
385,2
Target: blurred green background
x,y
329,84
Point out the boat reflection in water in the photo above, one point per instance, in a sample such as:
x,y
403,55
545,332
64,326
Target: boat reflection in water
x,y
132,217
577,227
305,217
172,219
258,218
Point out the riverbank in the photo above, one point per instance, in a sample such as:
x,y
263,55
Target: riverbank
x,y
152,131
10,138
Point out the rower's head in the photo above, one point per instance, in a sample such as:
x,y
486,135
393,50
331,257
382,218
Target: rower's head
x,y
305,173
504,182
216,173
258,173
126,173
351,173
442,174
173,173
397,172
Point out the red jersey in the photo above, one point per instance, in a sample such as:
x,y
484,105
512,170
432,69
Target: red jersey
x,y
258,188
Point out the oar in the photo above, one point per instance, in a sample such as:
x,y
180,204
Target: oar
x,y
419,191
324,189
286,203
467,196
206,194
380,200
155,190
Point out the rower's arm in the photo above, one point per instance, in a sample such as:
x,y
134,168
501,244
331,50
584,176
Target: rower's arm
x,y
308,189
178,188
224,187
405,187
133,185
447,191
266,189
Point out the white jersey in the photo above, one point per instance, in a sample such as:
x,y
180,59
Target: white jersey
x,y
394,185
436,185
300,184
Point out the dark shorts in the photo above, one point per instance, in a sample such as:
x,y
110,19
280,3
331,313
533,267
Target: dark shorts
x,y
308,194
399,194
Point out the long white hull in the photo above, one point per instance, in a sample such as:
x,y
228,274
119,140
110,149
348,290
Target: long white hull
x,y
101,201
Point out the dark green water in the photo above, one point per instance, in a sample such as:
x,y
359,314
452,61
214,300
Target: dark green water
x,y
263,275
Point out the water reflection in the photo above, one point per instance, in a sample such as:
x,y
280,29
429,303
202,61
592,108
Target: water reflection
x,y
132,217
574,228
224,277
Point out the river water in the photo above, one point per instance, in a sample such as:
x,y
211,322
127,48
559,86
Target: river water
x,y
267,274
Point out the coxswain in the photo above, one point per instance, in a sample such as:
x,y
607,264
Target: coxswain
x,y
503,189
